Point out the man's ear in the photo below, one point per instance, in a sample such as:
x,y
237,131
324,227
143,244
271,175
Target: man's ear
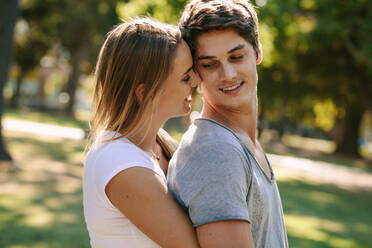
x,y
140,90
259,54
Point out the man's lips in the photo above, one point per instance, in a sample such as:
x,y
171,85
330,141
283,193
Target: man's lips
x,y
232,89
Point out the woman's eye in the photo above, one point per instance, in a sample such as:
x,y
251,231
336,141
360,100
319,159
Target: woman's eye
x,y
186,79
208,65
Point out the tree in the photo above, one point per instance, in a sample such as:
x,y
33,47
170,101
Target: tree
x,y
82,35
30,47
8,16
320,51
78,26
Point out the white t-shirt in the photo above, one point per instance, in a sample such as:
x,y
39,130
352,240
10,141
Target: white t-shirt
x,y
107,226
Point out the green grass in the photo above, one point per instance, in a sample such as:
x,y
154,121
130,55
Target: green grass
x,y
319,215
41,204
81,120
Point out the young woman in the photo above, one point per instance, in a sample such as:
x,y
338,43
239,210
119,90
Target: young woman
x,y
144,76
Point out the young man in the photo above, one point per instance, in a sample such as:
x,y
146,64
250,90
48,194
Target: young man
x,y
220,174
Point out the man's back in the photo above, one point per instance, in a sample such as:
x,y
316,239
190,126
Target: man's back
x,y
215,177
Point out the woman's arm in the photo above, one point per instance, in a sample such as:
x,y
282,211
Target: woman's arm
x,y
143,197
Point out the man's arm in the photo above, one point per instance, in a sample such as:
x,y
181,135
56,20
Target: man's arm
x,y
214,188
225,234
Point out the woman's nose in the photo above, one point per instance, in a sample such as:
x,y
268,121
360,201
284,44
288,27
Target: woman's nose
x,y
195,80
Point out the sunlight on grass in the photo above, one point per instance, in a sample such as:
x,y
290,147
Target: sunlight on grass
x,y
318,230
12,201
4,216
37,216
322,197
41,203
309,143
66,218
60,202
38,245
81,120
362,228
68,184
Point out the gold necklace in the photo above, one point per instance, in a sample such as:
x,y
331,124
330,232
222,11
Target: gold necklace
x,y
154,155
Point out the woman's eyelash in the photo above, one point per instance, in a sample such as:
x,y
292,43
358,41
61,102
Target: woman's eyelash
x,y
186,79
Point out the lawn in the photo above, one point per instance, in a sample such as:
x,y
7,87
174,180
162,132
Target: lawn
x,y
41,202
80,120
319,215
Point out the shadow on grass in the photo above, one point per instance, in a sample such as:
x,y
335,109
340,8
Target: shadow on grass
x,y
41,203
45,209
321,216
55,150
60,225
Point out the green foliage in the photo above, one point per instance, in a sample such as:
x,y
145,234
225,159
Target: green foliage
x,y
314,50
318,50
162,10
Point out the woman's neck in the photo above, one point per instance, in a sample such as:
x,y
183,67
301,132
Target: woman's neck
x,y
145,136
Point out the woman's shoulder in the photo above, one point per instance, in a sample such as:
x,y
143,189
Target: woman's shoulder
x,y
118,151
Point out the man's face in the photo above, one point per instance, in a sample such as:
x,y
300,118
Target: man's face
x,y
227,66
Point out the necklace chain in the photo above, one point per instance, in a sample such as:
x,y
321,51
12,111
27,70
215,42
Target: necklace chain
x,y
154,155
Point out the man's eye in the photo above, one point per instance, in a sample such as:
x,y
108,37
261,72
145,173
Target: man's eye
x,y
237,57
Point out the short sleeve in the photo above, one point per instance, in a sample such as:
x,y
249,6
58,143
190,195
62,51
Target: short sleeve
x,y
108,159
214,184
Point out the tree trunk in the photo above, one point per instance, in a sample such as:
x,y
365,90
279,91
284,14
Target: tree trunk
x,y
40,94
8,17
73,80
17,92
347,142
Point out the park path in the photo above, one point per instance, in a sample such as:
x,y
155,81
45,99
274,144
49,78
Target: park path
x,y
323,172
43,129
284,166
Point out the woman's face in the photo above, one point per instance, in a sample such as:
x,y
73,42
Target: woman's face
x,y
176,97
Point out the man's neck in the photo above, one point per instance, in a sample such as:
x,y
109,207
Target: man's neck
x,y
240,121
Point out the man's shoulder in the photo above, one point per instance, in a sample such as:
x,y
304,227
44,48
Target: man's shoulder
x,y
206,132
207,142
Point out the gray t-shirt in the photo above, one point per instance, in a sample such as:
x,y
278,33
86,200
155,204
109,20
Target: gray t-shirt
x,y
215,177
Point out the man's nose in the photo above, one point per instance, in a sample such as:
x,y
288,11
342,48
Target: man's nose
x,y
228,72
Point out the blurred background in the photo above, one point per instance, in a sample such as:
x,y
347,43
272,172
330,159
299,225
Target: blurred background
x,y
315,114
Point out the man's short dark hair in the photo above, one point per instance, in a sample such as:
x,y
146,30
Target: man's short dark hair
x,y
201,16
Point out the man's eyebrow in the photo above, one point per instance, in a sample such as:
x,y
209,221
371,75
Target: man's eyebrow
x,y
187,71
205,57
238,47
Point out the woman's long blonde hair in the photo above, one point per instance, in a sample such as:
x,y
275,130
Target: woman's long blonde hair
x,y
137,52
